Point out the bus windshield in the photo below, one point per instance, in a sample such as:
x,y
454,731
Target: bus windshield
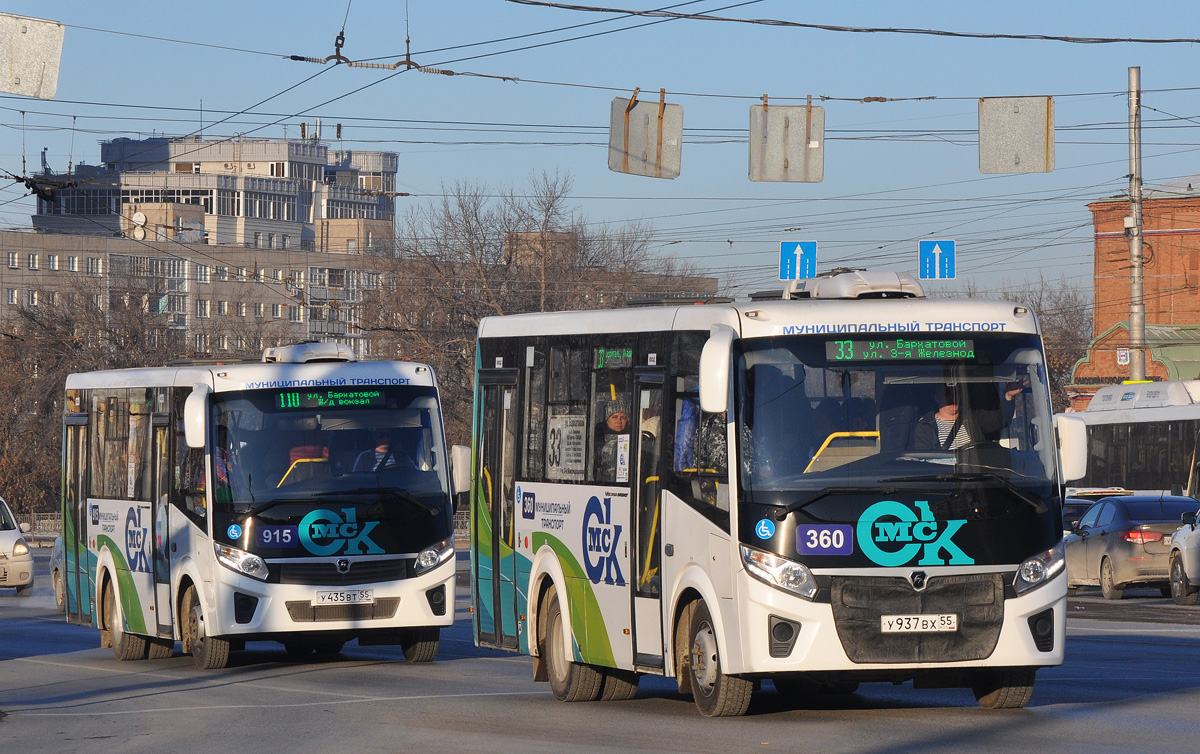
x,y
326,447
868,413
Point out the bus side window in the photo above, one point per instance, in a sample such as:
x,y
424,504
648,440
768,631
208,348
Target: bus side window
x,y
700,455
188,494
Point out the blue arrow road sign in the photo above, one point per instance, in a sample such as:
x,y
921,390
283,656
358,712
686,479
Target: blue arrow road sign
x,y
936,259
797,260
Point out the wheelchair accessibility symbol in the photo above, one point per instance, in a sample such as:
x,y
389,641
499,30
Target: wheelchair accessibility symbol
x,y
764,529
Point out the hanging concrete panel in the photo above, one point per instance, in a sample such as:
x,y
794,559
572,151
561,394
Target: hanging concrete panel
x,y
32,50
646,139
1016,134
787,143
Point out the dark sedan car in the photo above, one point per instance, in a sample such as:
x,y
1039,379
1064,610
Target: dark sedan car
x,y
1125,541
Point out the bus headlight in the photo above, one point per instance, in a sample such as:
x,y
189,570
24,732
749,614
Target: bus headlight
x,y
433,556
241,561
1040,568
20,548
780,573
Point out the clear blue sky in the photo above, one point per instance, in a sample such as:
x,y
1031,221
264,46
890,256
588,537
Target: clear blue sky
x,y
895,172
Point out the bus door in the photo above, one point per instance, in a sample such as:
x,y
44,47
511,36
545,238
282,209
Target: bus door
x,y
77,581
161,531
647,524
496,598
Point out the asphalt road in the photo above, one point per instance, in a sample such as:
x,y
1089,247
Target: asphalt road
x,y
1131,683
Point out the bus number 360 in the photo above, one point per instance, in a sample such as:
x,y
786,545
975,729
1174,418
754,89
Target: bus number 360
x,y
829,539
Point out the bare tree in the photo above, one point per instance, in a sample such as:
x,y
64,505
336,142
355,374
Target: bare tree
x,y
1065,314
467,257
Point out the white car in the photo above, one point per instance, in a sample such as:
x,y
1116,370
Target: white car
x,y
16,561
1185,561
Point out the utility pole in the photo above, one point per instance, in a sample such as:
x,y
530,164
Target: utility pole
x,y
1133,229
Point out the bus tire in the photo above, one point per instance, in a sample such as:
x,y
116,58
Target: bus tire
x,y
159,649
618,685
1182,590
1108,586
208,652
715,694
570,681
1006,688
420,644
125,646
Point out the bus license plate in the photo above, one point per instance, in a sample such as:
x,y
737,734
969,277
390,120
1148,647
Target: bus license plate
x,y
913,624
346,597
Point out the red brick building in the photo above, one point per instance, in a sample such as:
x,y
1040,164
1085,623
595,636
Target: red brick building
x,y
1171,289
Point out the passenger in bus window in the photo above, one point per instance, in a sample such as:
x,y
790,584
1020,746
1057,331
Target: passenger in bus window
x,y
948,428
385,454
608,445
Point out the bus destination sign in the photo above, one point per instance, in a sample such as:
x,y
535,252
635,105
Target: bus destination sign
x,y
900,349
330,398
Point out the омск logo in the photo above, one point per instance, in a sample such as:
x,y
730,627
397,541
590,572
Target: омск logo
x,y
888,522
324,532
600,539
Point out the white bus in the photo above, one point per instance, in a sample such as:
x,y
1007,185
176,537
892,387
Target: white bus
x,y
305,500
1141,436
735,492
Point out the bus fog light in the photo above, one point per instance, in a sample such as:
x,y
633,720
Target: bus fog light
x,y
1039,569
241,561
780,573
434,556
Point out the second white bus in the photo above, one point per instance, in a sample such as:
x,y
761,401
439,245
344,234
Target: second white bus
x,y
305,501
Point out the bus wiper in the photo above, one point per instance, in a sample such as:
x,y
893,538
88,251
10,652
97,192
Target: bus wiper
x,y
432,509
254,511
816,495
976,476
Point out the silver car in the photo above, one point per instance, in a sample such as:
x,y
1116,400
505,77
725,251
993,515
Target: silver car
x,y
1185,560
16,561
1125,541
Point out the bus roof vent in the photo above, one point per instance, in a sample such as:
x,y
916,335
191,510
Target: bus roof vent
x,y
305,353
846,283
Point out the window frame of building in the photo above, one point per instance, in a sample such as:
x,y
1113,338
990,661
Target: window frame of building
x,y
203,307
72,263
32,260
13,262
52,262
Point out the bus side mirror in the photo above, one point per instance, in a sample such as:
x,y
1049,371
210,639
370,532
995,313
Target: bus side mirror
x,y
460,469
1072,446
715,361
195,413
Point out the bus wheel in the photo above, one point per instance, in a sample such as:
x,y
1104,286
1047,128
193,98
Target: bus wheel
x,y
1006,688
125,646
209,652
618,685
570,681
1182,591
160,649
420,644
1108,586
716,694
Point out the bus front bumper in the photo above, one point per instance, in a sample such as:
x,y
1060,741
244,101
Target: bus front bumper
x,y
783,633
245,606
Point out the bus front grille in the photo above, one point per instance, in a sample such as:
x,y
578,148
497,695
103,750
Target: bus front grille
x,y
326,574
859,602
303,611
